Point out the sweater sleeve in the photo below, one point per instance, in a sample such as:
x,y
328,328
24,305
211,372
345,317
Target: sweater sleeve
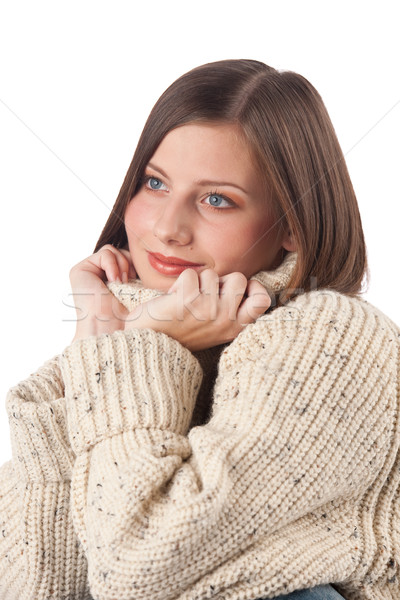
x,y
40,555
303,415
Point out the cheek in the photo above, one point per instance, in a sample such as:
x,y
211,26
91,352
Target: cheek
x,y
253,247
137,218
230,247
264,233
256,234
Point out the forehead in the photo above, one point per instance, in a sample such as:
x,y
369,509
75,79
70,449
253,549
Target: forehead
x,y
215,148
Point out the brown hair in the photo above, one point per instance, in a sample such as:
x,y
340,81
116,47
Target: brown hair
x,y
293,140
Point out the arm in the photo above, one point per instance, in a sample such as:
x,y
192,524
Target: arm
x,y
40,556
296,424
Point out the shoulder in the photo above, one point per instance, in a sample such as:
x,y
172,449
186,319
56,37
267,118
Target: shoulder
x,y
324,303
317,311
319,320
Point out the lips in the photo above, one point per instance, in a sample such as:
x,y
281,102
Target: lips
x,y
171,266
173,260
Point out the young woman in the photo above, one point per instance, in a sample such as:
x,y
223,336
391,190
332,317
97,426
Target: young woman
x,y
225,422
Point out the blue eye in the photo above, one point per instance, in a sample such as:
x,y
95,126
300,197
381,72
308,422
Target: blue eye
x,y
215,200
154,183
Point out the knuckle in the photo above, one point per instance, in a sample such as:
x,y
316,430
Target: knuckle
x,y
237,275
189,274
125,261
125,253
106,251
266,300
239,279
209,271
261,297
74,269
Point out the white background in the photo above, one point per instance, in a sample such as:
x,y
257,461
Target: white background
x,y
77,80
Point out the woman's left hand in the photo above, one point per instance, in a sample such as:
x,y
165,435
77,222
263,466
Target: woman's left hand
x,y
202,310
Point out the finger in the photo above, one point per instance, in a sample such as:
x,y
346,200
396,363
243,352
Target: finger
x,y
209,282
255,304
131,271
125,264
231,293
187,284
109,264
115,263
209,292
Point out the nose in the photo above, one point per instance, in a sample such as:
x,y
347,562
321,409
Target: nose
x,y
173,224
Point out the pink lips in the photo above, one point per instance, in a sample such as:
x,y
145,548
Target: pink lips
x,y
172,260
170,265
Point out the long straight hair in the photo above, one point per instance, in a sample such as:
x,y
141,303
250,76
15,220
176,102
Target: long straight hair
x,y
293,141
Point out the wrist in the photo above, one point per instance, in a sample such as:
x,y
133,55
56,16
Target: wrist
x,y
93,326
139,319
109,389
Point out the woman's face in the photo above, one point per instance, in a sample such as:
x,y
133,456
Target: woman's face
x,y
202,201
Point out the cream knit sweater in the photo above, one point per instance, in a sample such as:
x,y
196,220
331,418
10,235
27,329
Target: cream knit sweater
x,y
133,478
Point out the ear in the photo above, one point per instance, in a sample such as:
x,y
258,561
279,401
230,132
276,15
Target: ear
x,y
288,242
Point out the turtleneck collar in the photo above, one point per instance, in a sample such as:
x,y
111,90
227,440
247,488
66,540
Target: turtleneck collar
x,y
133,293
277,280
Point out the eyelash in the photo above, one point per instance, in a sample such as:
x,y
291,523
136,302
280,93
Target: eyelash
x,y
147,178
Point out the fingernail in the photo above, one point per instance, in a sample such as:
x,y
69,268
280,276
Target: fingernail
x,y
125,277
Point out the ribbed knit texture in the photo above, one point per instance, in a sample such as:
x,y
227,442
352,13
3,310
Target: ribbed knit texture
x,y
289,481
40,554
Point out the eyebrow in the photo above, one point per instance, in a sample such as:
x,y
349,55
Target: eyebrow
x,y
201,181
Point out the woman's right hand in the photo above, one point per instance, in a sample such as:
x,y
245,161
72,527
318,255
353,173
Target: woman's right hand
x,y
98,310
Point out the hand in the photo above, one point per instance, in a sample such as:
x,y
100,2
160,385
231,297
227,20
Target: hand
x,y
202,310
98,311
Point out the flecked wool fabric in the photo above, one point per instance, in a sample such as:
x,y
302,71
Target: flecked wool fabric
x,y
143,471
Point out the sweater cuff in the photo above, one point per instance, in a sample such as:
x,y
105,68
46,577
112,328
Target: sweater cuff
x,y
39,440
126,380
